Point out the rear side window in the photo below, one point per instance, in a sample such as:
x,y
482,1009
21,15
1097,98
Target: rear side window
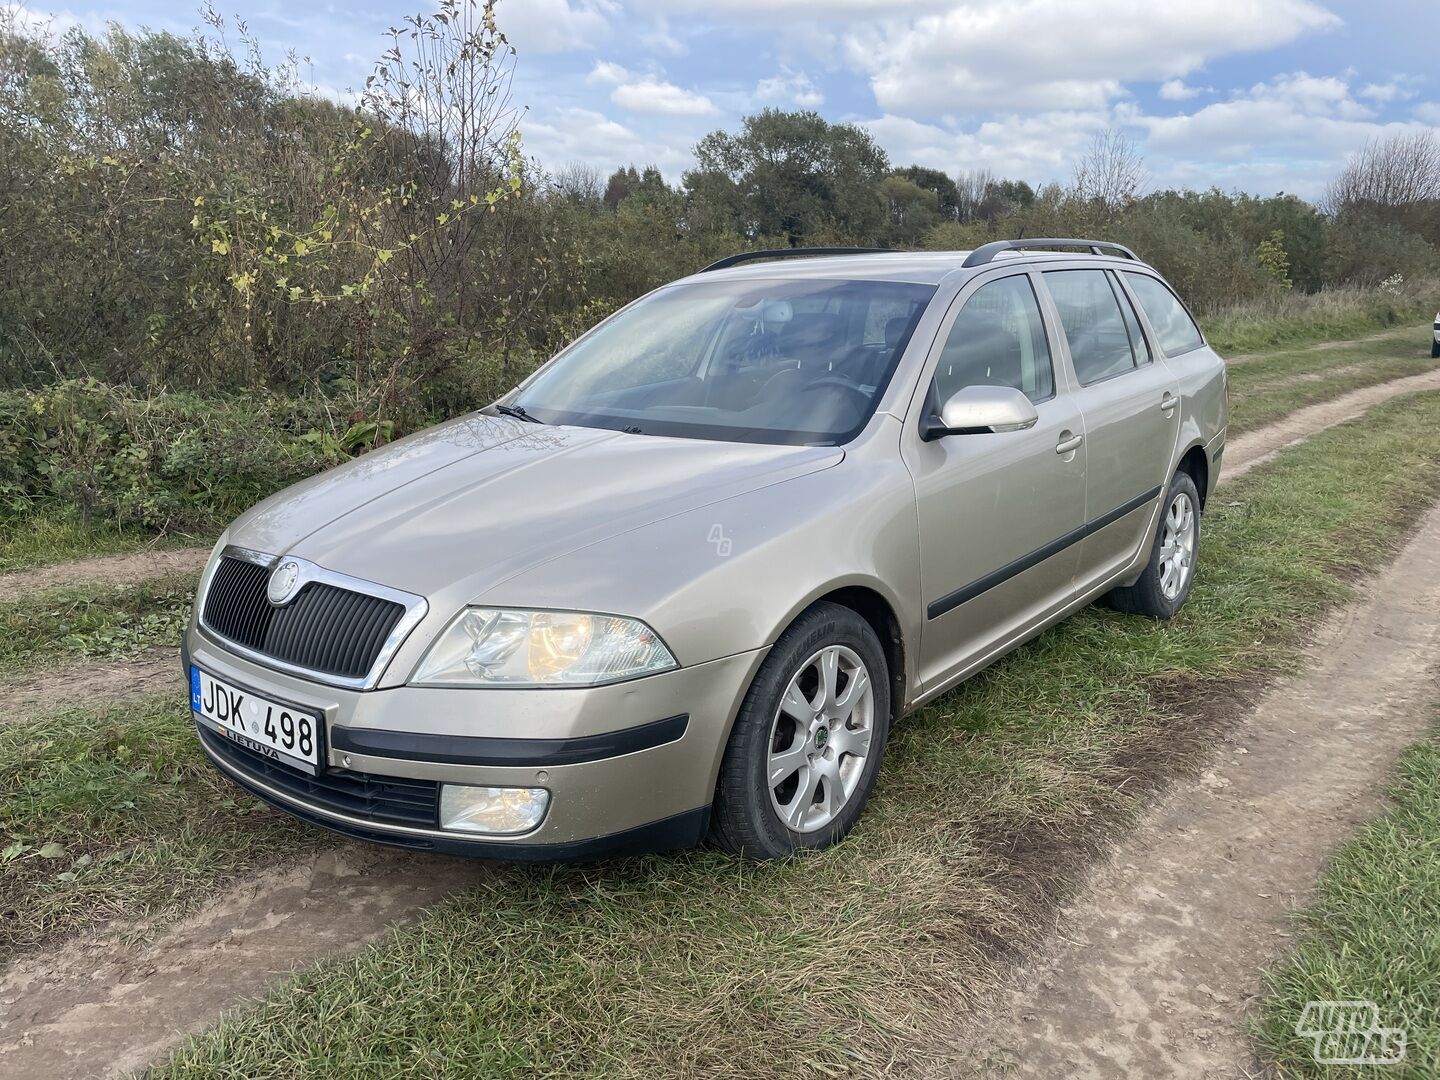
x,y
1100,343
1174,329
998,339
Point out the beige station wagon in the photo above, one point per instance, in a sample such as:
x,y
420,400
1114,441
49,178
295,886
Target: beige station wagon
x,y
682,581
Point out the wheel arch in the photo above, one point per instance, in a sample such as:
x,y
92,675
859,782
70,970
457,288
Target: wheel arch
x,y
879,607
1195,463
876,610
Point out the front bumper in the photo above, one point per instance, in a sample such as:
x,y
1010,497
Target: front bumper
x,y
629,767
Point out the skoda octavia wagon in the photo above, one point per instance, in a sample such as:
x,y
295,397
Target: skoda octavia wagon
x,y
681,582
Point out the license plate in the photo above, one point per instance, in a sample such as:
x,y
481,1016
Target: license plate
x,y
280,732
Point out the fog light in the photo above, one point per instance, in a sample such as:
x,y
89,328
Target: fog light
x,y
498,811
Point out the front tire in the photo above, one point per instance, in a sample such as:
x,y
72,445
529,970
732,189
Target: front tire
x,y
806,747
1164,585
1434,349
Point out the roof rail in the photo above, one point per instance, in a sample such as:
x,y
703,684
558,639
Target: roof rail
x,y
986,252
791,253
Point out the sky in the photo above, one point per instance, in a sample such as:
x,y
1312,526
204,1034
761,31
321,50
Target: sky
x,y
1252,95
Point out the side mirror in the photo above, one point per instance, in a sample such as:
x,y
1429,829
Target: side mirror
x,y
981,410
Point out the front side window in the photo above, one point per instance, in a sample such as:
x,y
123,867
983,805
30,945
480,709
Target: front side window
x,y
1100,344
777,361
998,339
1174,329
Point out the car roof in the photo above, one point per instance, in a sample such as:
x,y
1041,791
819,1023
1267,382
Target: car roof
x,y
921,267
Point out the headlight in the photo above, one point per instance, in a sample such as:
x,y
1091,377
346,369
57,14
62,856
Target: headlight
x,y
508,647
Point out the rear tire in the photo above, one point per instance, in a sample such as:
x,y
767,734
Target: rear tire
x,y
1434,349
1164,585
806,747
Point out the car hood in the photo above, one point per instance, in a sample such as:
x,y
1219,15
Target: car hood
x,y
454,510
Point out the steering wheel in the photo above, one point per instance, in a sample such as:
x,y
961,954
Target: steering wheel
x,y
862,399
776,385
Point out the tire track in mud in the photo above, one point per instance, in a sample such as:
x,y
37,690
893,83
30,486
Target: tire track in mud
x,y
1241,359
127,569
1154,964
1260,445
101,1006
51,689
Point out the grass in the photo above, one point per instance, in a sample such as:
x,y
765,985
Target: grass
x,y
116,814
1371,934
91,622
1290,319
991,801
48,537
1266,389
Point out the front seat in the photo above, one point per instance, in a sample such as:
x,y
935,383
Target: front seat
x,y
987,354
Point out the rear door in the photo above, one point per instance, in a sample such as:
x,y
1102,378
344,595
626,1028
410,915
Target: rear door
x,y
999,513
1130,403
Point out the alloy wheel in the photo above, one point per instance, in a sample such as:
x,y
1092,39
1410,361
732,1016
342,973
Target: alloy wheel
x,y
820,738
1177,545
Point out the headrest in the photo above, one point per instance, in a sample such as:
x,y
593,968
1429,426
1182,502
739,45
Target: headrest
x,y
809,329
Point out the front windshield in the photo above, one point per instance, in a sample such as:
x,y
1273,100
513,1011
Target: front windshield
x,y
752,361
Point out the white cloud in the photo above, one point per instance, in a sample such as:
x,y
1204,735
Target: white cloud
x,y
1056,54
1292,132
606,72
1289,133
545,26
648,93
31,23
1038,146
1177,90
1401,88
652,95
789,88
570,134
659,39
773,11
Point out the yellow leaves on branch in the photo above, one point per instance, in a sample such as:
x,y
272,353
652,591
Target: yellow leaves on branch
x,y
260,253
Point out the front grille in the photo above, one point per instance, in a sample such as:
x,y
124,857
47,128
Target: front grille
x,y
326,628
386,800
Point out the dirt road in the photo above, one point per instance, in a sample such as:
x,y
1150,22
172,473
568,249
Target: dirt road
x,y
101,1008
104,570
1152,967
1256,447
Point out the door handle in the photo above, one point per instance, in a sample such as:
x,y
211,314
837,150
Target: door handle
x,y
1168,402
1064,446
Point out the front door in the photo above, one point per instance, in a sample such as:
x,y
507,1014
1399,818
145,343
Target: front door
x,y
999,513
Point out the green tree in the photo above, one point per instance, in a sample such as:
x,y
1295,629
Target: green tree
x,y
1270,254
947,195
792,174
910,210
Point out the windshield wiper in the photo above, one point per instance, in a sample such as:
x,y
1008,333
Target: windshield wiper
x,y
519,413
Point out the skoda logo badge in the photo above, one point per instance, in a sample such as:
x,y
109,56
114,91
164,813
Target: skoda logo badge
x,y
283,581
